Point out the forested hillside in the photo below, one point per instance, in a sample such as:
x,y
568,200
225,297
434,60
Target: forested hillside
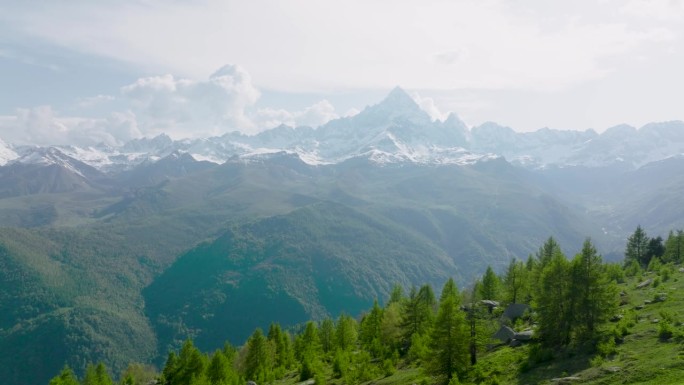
x,y
586,321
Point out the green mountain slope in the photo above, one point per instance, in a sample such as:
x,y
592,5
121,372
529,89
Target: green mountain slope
x,y
318,260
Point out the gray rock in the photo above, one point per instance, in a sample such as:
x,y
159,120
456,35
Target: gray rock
x,y
565,380
647,302
524,335
515,311
644,284
504,334
638,307
515,343
489,303
660,297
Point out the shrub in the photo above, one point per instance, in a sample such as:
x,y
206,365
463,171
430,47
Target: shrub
x,y
388,367
665,330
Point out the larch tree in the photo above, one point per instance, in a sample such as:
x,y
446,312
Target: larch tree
x,y
515,282
65,377
552,301
449,338
637,248
489,289
593,293
674,247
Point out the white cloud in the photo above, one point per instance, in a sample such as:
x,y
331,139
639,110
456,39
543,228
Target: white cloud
x,y
312,116
92,101
665,10
44,126
428,105
309,45
193,108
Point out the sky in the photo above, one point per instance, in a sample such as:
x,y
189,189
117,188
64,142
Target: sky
x,y
85,72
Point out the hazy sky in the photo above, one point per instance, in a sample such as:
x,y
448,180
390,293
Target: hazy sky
x,y
111,70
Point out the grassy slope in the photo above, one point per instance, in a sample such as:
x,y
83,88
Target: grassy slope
x,y
643,358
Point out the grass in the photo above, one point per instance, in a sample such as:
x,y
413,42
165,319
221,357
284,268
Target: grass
x,y
643,357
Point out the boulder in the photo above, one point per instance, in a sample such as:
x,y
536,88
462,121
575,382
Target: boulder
x,y
660,297
524,335
645,283
565,380
489,303
515,311
504,334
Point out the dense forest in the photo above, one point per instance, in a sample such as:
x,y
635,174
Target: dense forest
x,y
509,327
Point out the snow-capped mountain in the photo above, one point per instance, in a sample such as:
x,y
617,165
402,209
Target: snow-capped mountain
x,y
7,154
395,130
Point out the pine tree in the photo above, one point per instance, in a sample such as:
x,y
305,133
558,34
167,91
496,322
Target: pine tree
x,y
390,329
490,285
96,375
449,339
674,247
219,371
418,312
284,355
345,333
326,332
549,249
369,334
170,369
397,294
191,364
637,248
257,361
515,282
65,377
593,293
552,300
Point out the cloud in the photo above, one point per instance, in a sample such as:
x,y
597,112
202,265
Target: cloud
x,y
428,105
92,101
312,116
193,108
44,126
179,107
436,44
664,10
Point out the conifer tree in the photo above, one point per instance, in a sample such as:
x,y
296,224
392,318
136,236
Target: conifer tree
x,y
345,333
96,375
369,334
284,354
490,285
326,332
553,301
674,247
449,339
397,294
219,370
257,361
515,282
418,312
65,377
637,248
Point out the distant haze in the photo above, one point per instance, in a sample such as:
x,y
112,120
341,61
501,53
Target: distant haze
x,y
82,72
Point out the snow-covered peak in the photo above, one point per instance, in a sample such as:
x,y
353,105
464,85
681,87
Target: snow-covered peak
x,y
397,107
7,154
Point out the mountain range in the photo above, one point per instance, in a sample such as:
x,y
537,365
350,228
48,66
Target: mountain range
x,y
120,253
